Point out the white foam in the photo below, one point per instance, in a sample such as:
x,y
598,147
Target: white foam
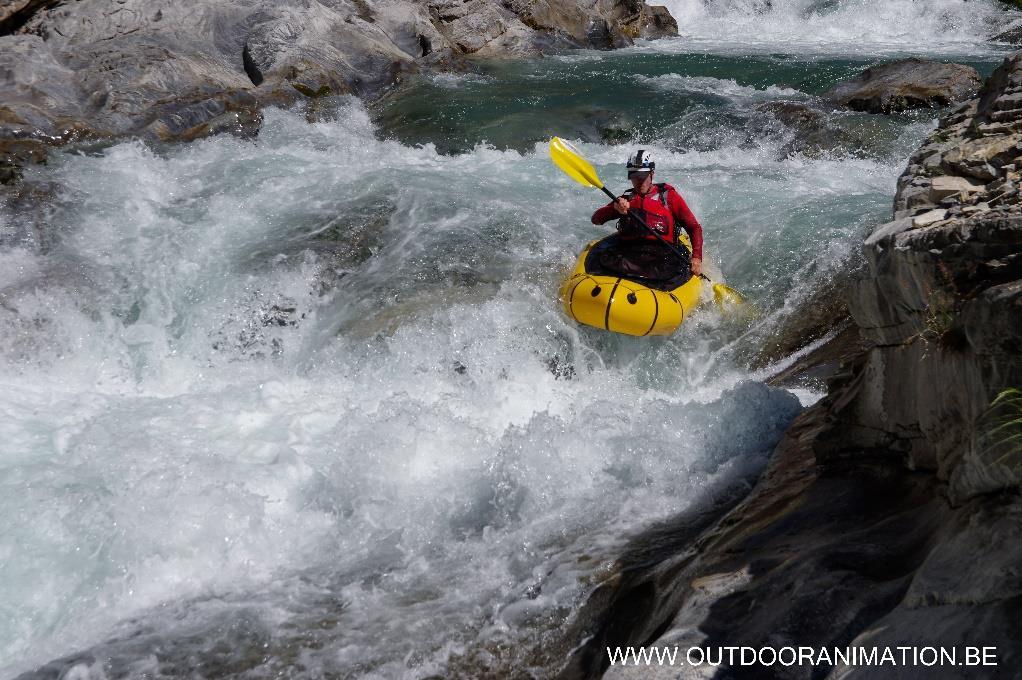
x,y
720,87
407,437
451,80
845,27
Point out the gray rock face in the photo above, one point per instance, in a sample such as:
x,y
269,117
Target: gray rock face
x,y
941,276
906,84
179,70
890,513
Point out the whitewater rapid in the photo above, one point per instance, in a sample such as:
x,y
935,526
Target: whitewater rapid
x,y
307,404
878,28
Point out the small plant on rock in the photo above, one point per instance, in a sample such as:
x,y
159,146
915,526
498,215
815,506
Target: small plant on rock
x,y
943,306
1001,430
940,316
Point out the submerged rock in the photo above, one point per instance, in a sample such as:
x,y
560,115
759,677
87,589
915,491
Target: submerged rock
x,y
815,134
1013,36
15,153
906,84
822,312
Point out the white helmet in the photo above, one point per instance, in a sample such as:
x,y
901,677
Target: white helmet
x,y
641,161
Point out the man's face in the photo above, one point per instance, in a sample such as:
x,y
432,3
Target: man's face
x,y
641,181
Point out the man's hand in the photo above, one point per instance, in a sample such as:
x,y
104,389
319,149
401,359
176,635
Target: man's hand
x,y
621,205
697,266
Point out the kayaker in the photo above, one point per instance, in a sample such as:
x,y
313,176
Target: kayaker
x,y
660,205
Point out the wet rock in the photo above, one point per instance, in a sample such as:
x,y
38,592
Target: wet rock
x,y
561,20
846,554
636,19
927,291
1012,36
934,371
906,84
795,114
812,318
931,295
606,35
606,125
357,47
814,368
815,134
999,109
616,135
202,114
15,153
661,23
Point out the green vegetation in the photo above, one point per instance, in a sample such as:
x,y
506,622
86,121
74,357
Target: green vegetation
x,y
323,91
940,316
942,309
1001,430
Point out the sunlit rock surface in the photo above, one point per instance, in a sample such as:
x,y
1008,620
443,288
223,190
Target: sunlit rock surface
x,y
177,71
906,84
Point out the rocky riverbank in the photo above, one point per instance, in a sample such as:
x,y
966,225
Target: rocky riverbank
x,y
890,513
180,71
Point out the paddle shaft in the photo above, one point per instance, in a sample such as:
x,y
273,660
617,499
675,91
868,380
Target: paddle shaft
x,y
683,256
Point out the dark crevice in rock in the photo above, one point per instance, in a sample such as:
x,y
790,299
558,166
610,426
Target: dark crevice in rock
x,y
365,12
16,14
425,46
605,35
253,72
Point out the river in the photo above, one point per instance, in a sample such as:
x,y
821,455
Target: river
x,y
307,406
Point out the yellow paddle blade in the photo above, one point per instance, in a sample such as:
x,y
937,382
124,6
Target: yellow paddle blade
x,y
568,159
725,296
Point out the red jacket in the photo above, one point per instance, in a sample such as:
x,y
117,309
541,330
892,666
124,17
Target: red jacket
x,y
676,212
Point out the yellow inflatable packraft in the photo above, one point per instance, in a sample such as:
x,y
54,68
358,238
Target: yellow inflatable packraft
x,y
627,304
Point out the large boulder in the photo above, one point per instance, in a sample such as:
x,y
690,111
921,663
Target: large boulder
x,y
906,84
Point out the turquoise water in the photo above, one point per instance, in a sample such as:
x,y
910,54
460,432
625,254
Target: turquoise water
x,y
307,405
620,97
773,210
